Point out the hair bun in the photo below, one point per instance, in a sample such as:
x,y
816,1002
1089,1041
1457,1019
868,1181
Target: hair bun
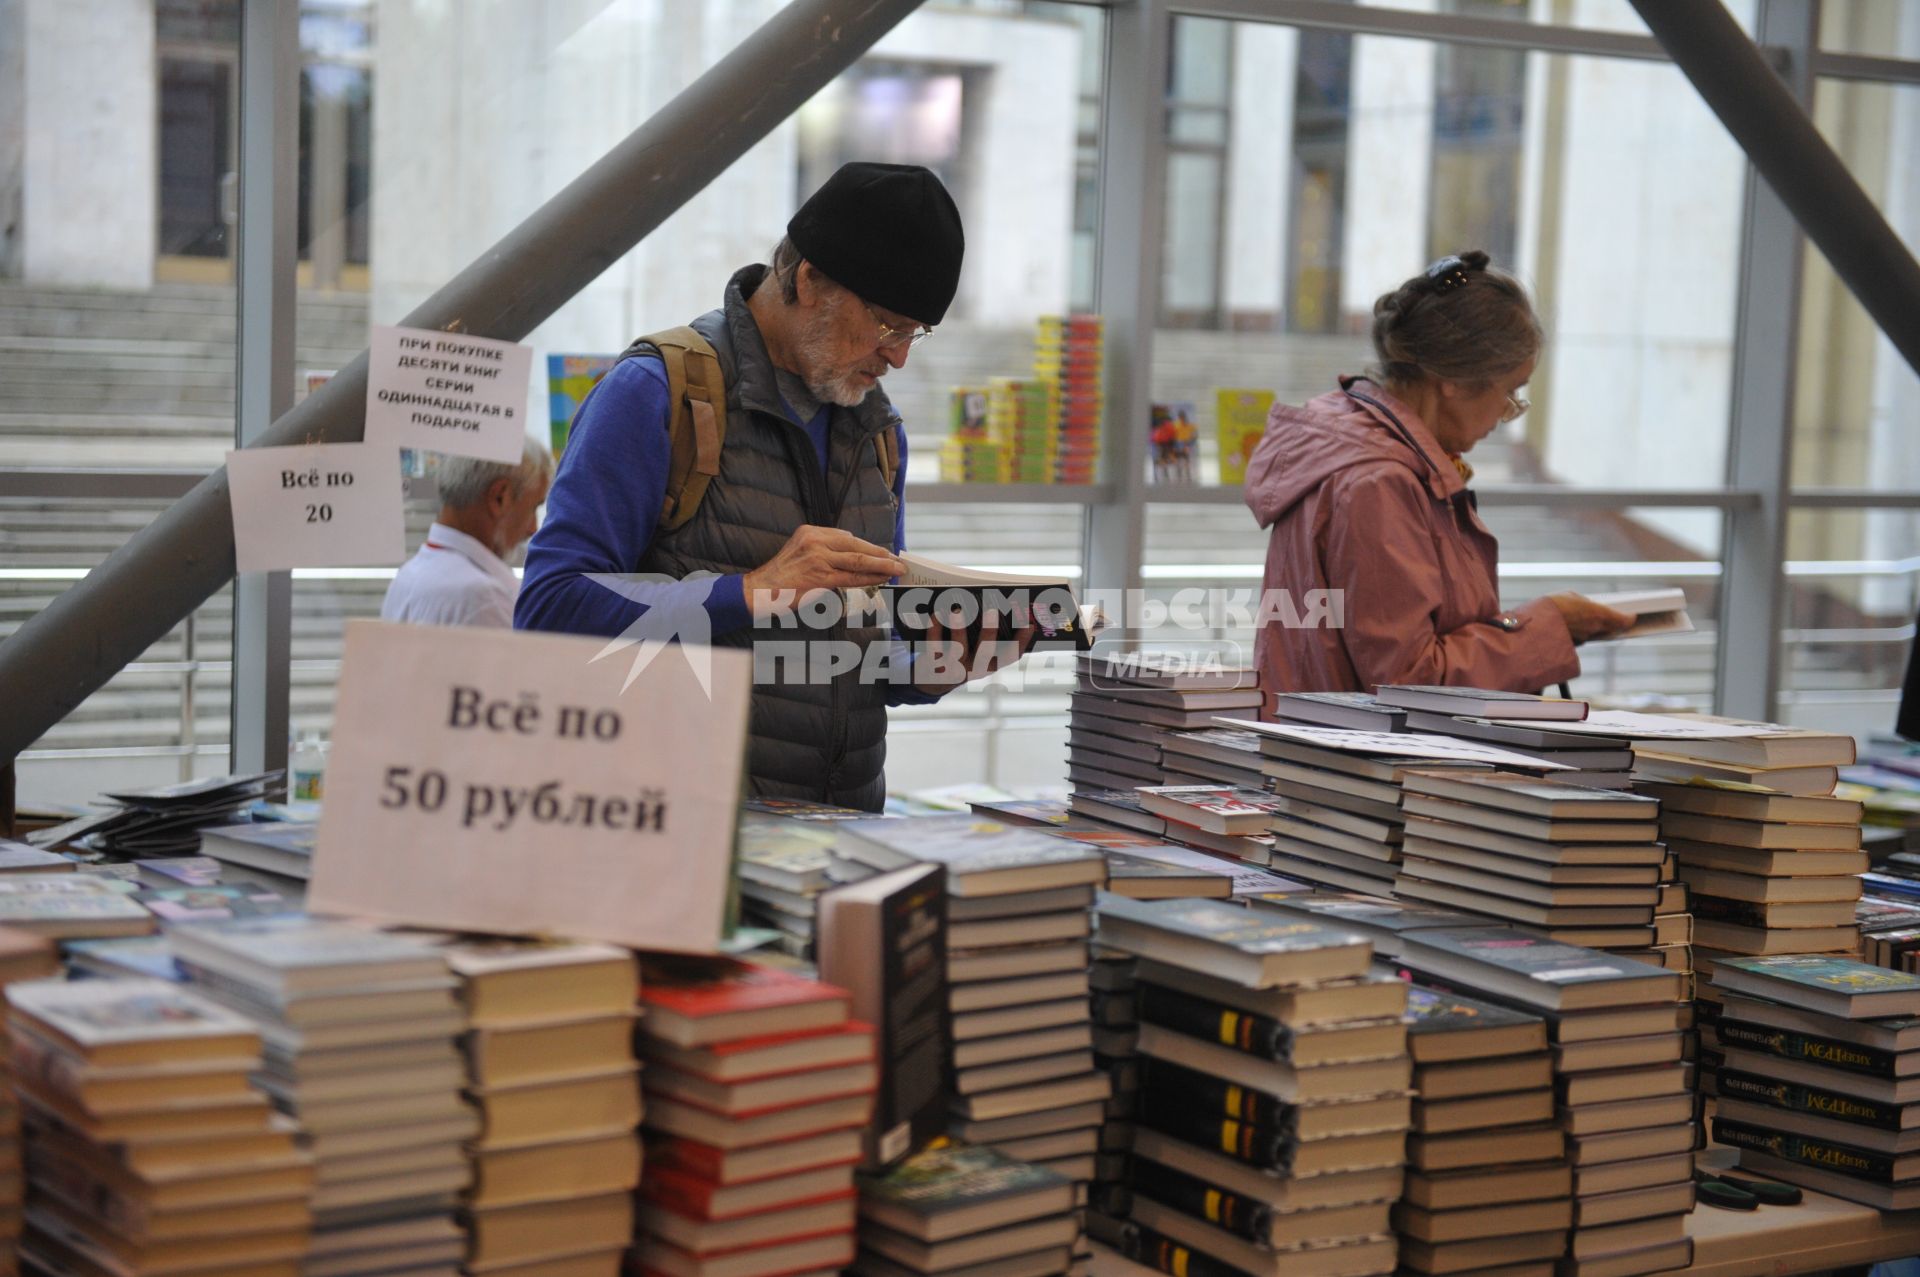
x,y
1475,259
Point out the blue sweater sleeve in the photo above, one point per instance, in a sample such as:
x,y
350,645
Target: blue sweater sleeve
x,y
601,515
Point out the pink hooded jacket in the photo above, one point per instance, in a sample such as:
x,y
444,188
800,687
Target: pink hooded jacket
x,y
1354,508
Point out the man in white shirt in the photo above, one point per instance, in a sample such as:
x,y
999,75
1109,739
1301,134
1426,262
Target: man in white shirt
x,y
488,509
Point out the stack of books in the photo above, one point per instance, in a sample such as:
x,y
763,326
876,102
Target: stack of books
x,y
146,1148
1273,1109
1766,872
1214,756
1023,425
1580,863
160,822
758,1087
1018,917
1623,1098
1117,733
960,1209
1385,922
967,455
1889,929
72,906
359,1031
1068,354
22,957
1218,818
1339,822
1820,1077
1115,1014
1487,1179
1790,760
550,1066
783,865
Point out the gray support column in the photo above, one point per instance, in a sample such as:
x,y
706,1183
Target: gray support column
x,y
143,589
1760,438
1127,280
263,374
327,177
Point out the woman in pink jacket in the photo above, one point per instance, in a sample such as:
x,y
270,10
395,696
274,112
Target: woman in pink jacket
x,y
1365,490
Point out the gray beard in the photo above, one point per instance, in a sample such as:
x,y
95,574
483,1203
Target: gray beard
x,y
813,350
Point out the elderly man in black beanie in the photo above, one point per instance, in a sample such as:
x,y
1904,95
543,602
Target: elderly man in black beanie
x,y
809,493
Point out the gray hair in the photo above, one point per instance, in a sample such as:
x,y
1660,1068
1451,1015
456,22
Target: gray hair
x,y
464,480
784,269
1471,327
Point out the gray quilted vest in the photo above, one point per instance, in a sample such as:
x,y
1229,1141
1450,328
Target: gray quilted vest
x,y
824,740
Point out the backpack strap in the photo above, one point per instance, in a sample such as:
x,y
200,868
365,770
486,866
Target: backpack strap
x,y
697,420
886,448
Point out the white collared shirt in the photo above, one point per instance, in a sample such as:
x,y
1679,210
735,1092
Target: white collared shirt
x,y
452,580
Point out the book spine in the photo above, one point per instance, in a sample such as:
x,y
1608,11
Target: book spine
x,y
1745,913
1163,1254
1807,1099
685,1194
1790,1045
1841,1158
1203,1018
1177,1086
1263,1147
1191,1195
696,1159
40,1061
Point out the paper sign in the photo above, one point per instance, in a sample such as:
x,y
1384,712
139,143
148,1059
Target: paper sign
x,y
1399,744
322,505
447,392
494,781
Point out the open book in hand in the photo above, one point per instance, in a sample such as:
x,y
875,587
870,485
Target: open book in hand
x,y
1659,611
931,591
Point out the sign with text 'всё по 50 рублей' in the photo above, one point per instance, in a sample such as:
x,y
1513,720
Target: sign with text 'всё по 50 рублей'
x,y
494,781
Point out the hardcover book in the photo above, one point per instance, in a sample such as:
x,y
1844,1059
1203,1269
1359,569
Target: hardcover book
x,y
960,1190
1536,971
1838,986
1449,1026
127,1022
1260,949
884,941
1481,702
291,954
697,1002
982,857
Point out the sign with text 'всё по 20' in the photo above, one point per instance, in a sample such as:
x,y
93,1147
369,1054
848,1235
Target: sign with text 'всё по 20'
x,y
447,392
494,781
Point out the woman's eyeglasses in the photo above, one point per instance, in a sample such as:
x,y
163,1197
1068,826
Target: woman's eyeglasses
x,y
1516,407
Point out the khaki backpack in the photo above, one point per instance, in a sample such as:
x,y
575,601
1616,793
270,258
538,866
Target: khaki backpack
x,y
698,424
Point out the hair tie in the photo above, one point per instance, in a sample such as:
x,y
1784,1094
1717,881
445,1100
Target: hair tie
x,y
1448,273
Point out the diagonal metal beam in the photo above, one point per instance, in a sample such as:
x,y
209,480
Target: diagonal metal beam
x,y
165,571
1782,143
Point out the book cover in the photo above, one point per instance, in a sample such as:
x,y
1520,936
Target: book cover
x,y
1173,441
1433,1013
935,1182
804,809
697,988
1481,702
1240,421
201,904
1535,969
1857,981
1813,1048
480,957
964,843
96,1013
885,941
1230,926
1532,795
1051,813
54,910
289,942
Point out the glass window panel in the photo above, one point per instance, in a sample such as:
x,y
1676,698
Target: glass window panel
x,y
1853,586
1397,149
164,718
1876,28
1856,399
1594,15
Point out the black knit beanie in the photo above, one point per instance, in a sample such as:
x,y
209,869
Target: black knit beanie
x,y
889,232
